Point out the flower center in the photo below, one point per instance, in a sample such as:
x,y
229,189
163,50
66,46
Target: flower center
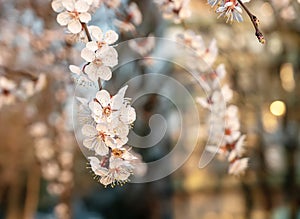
x,y
98,61
101,135
75,14
107,110
100,44
227,131
5,92
117,152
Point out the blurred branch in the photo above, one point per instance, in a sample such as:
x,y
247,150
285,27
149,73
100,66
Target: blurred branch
x,y
32,195
18,73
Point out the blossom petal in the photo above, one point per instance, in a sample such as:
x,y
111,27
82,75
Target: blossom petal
x,y
75,69
57,6
103,97
81,6
95,163
91,71
85,17
118,100
122,130
128,115
108,55
69,5
88,55
111,37
96,32
104,73
89,142
93,46
96,108
106,180
74,26
101,127
101,149
64,18
89,130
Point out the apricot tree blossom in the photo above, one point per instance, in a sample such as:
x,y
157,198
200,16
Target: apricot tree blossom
x,y
73,14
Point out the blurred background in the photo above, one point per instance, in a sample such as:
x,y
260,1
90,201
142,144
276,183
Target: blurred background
x,y
43,173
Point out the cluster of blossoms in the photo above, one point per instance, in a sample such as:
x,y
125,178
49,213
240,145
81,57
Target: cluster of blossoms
x,y
99,55
110,120
105,124
202,59
232,145
55,158
106,119
11,91
200,50
175,10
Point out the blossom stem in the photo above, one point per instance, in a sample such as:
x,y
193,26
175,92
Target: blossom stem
x,y
88,35
255,23
86,30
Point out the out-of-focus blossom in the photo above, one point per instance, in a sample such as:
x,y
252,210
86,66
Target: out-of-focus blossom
x,y
232,144
112,3
176,10
133,17
38,129
202,57
238,167
50,171
142,46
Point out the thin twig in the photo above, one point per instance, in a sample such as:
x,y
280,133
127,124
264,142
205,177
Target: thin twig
x,y
255,23
86,30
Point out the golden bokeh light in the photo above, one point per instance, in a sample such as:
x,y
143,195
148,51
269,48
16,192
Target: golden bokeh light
x,y
287,77
278,108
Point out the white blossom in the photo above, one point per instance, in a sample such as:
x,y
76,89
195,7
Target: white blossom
x,y
76,12
100,39
117,171
106,108
229,9
100,62
98,138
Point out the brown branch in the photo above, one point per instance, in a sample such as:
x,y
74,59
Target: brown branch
x,y
86,30
255,23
